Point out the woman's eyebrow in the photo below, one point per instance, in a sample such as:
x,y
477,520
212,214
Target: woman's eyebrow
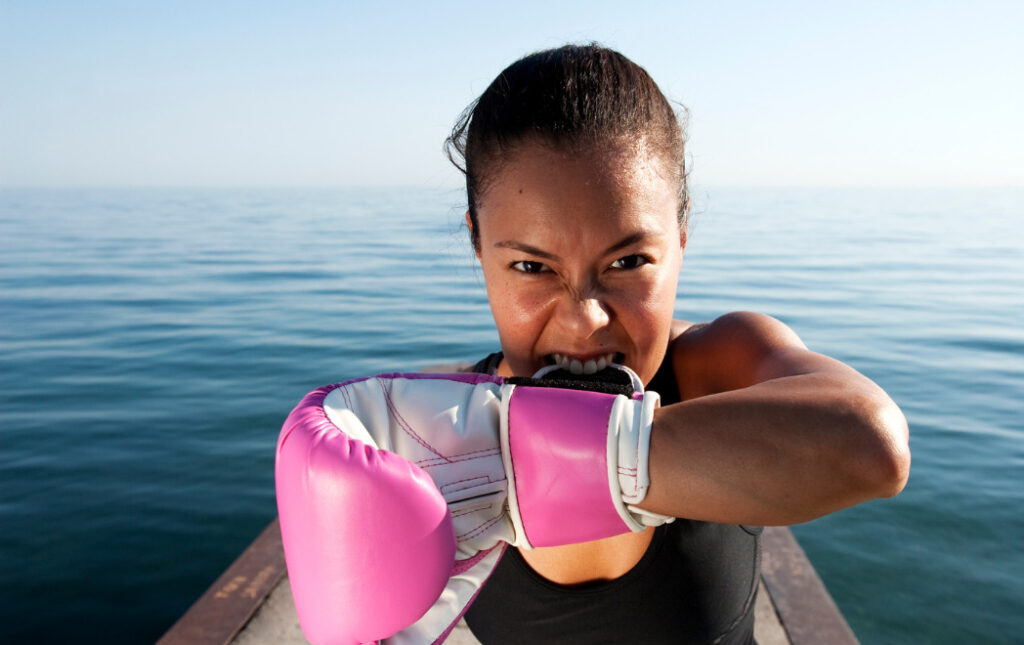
x,y
525,248
533,250
627,241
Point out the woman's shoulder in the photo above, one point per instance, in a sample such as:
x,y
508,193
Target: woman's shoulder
x,y
736,326
724,354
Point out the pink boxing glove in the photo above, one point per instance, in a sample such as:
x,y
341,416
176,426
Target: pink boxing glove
x,y
367,536
397,493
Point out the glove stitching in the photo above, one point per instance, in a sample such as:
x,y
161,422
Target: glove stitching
x,y
461,566
634,474
403,424
470,511
469,479
479,530
345,395
630,473
465,456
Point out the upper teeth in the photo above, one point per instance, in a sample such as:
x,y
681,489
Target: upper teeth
x,y
578,367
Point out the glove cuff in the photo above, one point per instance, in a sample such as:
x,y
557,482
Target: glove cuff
x,y
629,444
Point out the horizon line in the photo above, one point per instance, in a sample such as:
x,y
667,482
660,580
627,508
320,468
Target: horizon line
x,y
461,187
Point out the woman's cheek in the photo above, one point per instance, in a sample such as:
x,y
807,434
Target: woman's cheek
x,y
665,288
529,305
515,304
649,297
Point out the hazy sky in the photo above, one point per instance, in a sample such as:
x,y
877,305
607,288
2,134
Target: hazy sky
x,y
337,94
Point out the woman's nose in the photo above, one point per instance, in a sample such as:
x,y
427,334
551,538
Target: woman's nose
x,y
582,316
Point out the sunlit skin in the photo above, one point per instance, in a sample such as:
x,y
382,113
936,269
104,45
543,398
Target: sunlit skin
x,y
581,254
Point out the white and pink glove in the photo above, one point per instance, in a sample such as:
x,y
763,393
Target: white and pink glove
x,y
398,493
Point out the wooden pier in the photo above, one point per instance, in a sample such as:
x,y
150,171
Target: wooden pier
x,y
251,602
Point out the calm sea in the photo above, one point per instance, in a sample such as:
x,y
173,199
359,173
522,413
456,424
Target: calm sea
x,y
152,342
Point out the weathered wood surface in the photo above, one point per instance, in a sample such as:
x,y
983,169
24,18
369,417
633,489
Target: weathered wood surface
x,y
804,606
251,602
226,607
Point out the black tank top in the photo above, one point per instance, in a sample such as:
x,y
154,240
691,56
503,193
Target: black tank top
x,y
696,583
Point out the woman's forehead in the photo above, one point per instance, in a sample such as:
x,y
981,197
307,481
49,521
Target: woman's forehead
x,y
592,187
615,156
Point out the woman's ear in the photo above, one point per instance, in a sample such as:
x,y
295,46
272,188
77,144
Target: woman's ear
x,y
472,235
685,222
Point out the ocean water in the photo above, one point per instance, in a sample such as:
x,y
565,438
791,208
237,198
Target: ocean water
x,y
152,342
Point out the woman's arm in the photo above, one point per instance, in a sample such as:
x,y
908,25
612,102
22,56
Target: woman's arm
x,y
770,433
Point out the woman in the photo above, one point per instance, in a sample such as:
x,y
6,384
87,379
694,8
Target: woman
x,y
577,212
399,495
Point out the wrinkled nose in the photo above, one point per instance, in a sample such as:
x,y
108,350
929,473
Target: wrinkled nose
x,y
583,316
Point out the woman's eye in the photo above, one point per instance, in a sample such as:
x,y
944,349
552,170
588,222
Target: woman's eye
x,y
528,266
630,262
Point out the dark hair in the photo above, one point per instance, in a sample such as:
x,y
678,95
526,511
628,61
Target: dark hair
x,y
573,96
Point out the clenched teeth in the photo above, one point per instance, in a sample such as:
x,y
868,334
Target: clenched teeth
x,y
575,366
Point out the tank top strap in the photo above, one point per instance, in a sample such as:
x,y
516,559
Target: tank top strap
x,y
664,381
488,365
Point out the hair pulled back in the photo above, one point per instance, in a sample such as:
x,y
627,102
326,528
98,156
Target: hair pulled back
x,y
572,97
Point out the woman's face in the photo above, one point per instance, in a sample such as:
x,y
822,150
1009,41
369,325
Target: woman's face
x,y
581,255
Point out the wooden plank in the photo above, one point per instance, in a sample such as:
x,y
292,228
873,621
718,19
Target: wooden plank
x,y
225,608
767,627
275,623
796,601
805,608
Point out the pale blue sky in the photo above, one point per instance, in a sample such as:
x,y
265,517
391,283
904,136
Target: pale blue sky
x,y
336,94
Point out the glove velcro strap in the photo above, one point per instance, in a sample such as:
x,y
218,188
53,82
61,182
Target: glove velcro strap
x,y
556,443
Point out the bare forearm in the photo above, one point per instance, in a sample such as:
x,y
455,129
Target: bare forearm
x,y
780,452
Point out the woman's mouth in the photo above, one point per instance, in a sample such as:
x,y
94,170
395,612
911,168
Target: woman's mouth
x,y
581,365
